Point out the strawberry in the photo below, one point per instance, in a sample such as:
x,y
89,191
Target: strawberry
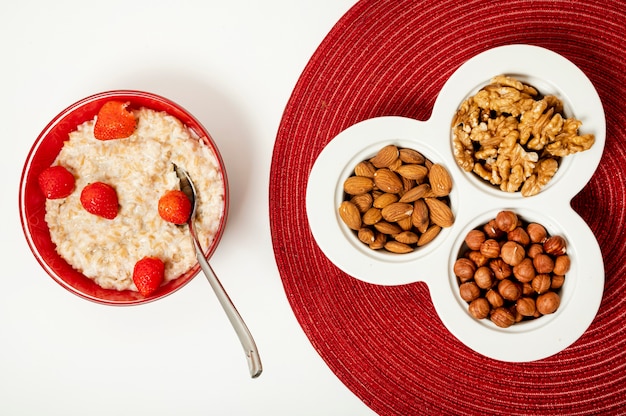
x,y
148,274
175,207
56,182
114,121
100,199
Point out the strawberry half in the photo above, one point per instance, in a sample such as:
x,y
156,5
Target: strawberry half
x,y
56,182
100,199
148,274
114,121
175,207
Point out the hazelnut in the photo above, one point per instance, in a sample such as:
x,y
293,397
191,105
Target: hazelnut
x,y
479,308
536,232
506,221
527,289
474,239
519,235
464,269
543,263
483,277
469,291
561,265
541,283
555,245
534,249
502,317
547,303
512,253
494,298
509,290
518,316
518,268
491,230
490,248
478,258
500,269
557,282
524,272
525,306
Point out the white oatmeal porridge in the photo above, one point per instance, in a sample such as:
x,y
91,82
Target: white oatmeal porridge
x,y
140,169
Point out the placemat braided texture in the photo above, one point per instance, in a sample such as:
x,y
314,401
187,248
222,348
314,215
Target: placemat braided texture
x,y
386,343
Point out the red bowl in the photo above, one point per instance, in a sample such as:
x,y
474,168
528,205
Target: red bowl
x,y
32,201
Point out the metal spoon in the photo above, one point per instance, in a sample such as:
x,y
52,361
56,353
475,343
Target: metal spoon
x,y
249,346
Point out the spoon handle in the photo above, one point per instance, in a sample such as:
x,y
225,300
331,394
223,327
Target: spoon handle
x,y
245,337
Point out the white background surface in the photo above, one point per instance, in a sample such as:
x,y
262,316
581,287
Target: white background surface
x,y
233,64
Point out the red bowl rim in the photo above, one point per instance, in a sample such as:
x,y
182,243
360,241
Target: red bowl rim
x,y
88,289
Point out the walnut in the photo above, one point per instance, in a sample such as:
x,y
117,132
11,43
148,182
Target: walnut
x,y
514,166
485,172
512,137
503,99
568,141
512,82
546,130
545,170
542,123
467,114
463,149
530,118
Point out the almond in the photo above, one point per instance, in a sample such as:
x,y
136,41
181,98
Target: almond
x,y
420,216
366,235
365,168
350,215
387,228
407,237
430,193
440,180
391,204
379,241
363,201
413,194
397,211
387,181
440,213
395,164
385,199
356,185
413,171
372,216
405,223
397,247
412,156
429,235
407,184
385,156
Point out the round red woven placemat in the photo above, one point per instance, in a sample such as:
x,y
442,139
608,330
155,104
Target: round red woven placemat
x,y
386,343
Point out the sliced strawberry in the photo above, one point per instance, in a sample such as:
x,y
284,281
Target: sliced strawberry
x,y
100,199
56,182
148,274
114,121
175,207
